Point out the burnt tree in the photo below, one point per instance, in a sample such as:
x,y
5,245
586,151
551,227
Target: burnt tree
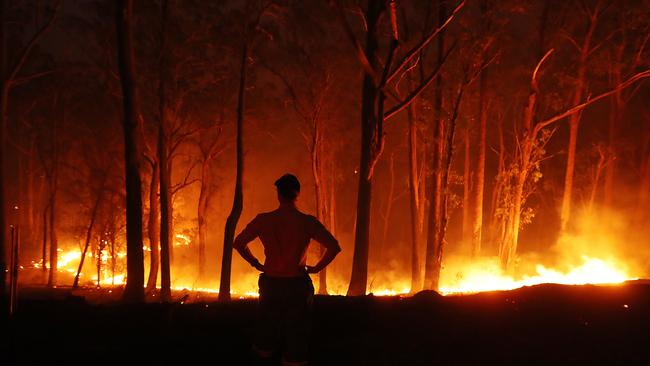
x,y
134,291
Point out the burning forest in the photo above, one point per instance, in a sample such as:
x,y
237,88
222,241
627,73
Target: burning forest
x,y
457,148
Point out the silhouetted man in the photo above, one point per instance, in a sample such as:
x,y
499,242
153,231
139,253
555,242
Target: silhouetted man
x,y
286,291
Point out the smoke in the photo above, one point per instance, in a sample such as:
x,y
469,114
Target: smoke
x,y
608,234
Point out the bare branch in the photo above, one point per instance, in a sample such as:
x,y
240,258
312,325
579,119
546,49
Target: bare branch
x,y
639,76
186,182
32,42
361,54
415,50
533,80
571,40
31,77
401,106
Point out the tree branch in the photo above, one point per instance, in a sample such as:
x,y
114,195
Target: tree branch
x,y
32,42
415,50
639,76
361,54
401,106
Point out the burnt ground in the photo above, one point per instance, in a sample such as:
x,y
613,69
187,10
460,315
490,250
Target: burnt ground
x,y
541,325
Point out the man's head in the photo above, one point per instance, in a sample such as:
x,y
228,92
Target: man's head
x,y
288,187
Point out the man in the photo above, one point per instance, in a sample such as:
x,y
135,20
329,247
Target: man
x,y
286,291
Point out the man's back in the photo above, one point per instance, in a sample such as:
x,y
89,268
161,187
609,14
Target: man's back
x,y
285,234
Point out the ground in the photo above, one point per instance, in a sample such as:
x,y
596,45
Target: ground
x,y
541,325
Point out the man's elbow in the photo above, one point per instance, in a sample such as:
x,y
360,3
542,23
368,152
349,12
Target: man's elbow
x,y
335,247
238,244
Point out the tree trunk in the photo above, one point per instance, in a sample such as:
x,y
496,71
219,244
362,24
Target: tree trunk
x,y
602,162
4,94
165,216
113,260
389,200
316,171
570,170
616,114
574,121
416,271
93,216
3,129
32,211
134,291
331,217
479,188
202,213
3,203
153,227
54,182
467,183
643,202
370,135
508,247
100,247
238,200
54,244
497,191
44,246
432,263
164,160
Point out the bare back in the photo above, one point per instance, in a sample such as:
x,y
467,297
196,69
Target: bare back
x,y
285,234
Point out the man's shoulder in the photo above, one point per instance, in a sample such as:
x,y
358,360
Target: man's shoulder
x,y
264,215
306,216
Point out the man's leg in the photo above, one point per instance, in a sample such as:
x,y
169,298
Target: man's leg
x,y
269,320
297,324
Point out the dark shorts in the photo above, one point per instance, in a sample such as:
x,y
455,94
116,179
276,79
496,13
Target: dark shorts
x,y
285,306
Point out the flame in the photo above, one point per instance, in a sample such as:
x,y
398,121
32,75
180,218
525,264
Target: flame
x,y
470,277
490,278
182,240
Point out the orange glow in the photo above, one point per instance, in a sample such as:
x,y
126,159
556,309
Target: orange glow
x,y
465,278
586,256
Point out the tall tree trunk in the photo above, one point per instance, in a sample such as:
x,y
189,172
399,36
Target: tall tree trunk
x,y
89,231
643,201
414,203
390,198
497,190
574,121
44,246
134,291
165,215
617,106
467,184
479,188
164,160
370,146
4,90
113,259
602,162
54,243
316,171
508,247
30,223
54,182
432,270
238,199
202,213
153,227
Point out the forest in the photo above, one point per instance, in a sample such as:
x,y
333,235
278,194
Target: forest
x,y
453,146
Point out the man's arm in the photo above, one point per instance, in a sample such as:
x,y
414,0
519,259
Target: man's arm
x,y
326,239
250,232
